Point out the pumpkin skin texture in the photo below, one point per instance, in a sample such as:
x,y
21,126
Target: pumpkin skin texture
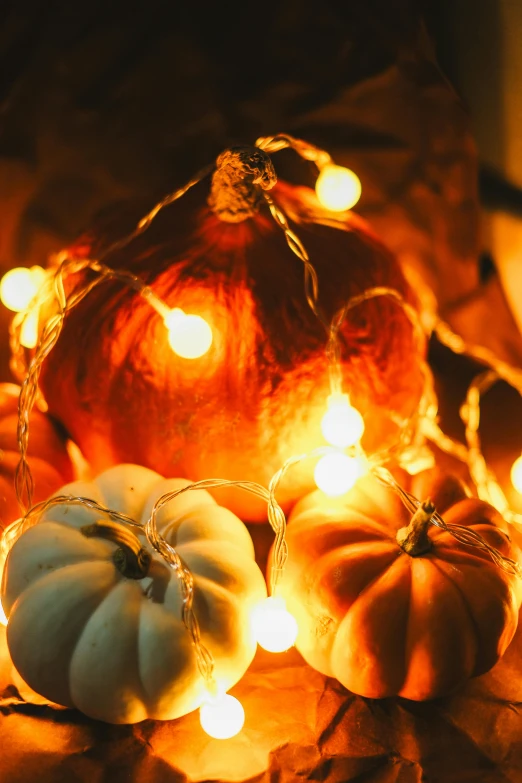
x,y
50,464
83,635
258,396
383,622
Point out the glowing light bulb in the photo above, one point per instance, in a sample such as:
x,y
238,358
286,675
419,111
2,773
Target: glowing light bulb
x,y
19,286
190,336
516,474
3,618
222,717
337,473
274,627
342,424
29,331
338,188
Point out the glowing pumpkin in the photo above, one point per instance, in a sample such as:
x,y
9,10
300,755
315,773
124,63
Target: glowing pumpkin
x,y
48,457
97,624
390,610
258,396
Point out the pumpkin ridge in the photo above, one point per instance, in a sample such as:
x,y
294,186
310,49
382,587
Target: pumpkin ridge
x,y
173,633
508,598
138,690
37,588
337,559
73,559
444,673
407,630
204,587
480,513
229,568
467,607
469,556
307,522
364,592
337,554
211,584
367,611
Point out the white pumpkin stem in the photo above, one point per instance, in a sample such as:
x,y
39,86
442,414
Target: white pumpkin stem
x,y
414,538
131,558
241,175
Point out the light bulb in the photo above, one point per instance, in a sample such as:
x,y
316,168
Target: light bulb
x,y
274,627
342,424
337,473
29,331
338,188
19,286
3,618
190,336
516,474
222,717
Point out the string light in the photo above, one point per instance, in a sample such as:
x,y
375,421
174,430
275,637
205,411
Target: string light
x,y
516,474
338,188
190,336
19,286
337,473
222,717
274,627
342,425
29,330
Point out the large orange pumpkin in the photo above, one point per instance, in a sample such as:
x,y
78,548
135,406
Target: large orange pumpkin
x,y
415,619
259,394
48,457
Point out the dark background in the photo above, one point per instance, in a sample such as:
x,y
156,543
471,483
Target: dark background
x,y
105,103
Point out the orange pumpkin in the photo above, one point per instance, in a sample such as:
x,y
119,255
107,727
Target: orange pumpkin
x,y
385,622
257,397
48,457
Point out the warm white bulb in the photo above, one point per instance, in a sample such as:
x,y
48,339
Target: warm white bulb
x,y
29,330
342,424
274,627
338,188
516,474
19,286
337,473
3,618
222,717
190,336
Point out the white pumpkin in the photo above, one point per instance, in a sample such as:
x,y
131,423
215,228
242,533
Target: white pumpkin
x,y
84,635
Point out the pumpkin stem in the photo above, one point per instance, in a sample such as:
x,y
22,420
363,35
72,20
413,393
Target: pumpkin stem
x,y
241,174
131,559
414,539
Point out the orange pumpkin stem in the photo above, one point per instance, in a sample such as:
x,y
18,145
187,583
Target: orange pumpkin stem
x,y
414,539
131,559
241,175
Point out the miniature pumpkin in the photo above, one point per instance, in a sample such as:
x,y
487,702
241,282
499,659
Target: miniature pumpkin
x,y
92,626
48,457
413,619
258,396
